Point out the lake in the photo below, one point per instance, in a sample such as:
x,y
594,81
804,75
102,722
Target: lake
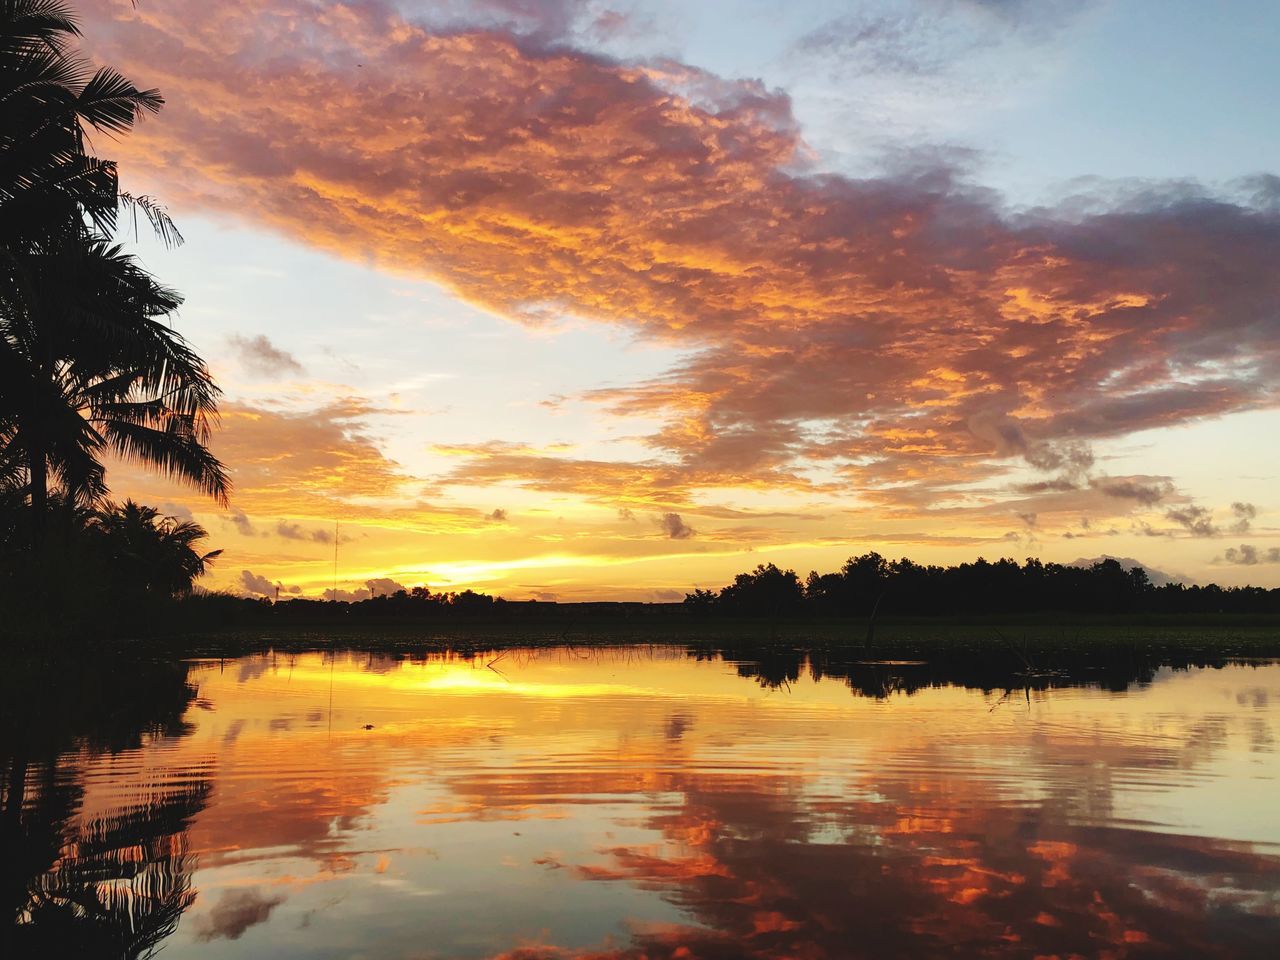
x,y
636,803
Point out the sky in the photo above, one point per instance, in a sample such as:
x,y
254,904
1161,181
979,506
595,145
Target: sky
x,y
583,299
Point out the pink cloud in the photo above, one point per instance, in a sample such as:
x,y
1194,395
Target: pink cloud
x,y
908,332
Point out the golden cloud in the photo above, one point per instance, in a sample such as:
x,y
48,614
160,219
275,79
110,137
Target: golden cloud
x,y
908,332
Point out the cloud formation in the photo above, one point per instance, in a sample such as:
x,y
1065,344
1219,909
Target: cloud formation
x,y
303,462
1245,513
347,596
1196,520
296,531
383,587
933,40
234,913
1157,577
1145,491
256,585
674,528
908,333
263,358
242,523
1247,555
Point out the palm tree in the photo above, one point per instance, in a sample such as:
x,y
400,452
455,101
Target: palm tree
x,y
153,552
49,98
87,363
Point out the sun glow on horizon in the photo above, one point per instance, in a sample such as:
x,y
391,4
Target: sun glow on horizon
x,y
636,336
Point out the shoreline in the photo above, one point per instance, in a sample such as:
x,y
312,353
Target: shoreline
x,y
893,637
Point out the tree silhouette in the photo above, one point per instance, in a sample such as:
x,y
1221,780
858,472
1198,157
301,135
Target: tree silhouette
x,y
48,97
87,365
86,362
154,553
869,583
765,591
116,883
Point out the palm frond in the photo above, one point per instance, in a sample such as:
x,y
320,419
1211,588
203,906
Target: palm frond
x,y
110,103
28,24
175,453
161,223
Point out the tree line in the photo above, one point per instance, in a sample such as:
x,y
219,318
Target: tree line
x,y
869,585
204,610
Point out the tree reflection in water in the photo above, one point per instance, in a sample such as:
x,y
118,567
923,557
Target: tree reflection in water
x,y
632,805
984,667
112,883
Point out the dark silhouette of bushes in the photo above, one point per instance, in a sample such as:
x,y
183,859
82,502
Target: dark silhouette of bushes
x,y
218,611
869,584
93,574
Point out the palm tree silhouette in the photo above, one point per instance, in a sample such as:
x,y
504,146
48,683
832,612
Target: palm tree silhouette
x,y
160,551
48,97
87,363
121,883
113,884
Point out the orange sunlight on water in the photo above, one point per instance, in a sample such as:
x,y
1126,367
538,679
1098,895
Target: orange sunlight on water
x,y
641,803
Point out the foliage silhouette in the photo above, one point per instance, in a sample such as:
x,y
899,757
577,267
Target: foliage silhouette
x,y
870,584
87,363
975,666
114,884
94,574
155,554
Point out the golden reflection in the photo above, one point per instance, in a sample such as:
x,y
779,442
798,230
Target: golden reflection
x,y
643,804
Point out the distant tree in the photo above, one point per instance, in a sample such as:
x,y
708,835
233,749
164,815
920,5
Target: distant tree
x,y
824,591
468,601
1139,581
700,601
765,591
868,583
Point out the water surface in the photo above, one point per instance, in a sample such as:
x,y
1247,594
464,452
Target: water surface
x,y
641,803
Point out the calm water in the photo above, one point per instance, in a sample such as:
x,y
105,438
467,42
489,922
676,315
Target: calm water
x,y
637,804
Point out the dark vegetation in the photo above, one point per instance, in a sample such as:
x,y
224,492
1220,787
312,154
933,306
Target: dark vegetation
x,y
97,573
114,883
1003,615
869,585
872,607
89,364
867,589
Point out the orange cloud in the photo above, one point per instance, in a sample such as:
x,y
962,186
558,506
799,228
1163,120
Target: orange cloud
x,y
925,858
287,461
316,463
907,332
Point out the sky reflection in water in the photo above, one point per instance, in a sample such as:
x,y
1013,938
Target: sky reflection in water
x,y
639,803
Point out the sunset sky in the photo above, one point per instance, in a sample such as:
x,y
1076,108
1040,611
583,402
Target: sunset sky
x,y
583,299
